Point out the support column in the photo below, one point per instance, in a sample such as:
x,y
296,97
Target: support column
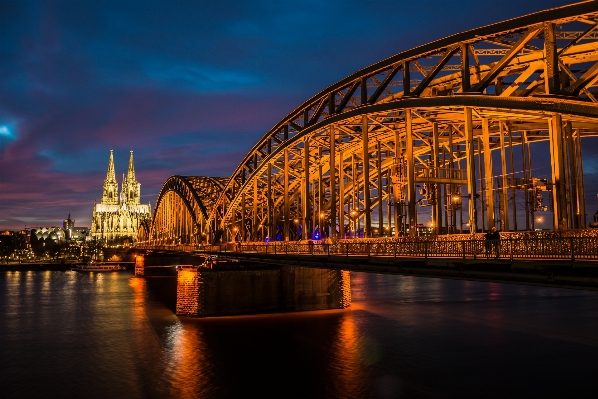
x,y
254,225
504,193
482,214
526,177
410,174
512,167
380,191
269,204
488,172
287,213
572,166
437,207
242,227
367,228
551,63
306,201
397,188
558,172
452,188
471,184
465,79
581,197
332,166
320,216
389,201
341,199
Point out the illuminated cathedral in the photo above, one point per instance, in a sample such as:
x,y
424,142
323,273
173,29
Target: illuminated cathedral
x,y
119,216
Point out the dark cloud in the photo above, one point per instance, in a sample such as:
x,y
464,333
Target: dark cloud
x,y
190,86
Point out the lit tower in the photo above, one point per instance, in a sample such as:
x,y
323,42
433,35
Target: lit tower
x,y
110,193
131,187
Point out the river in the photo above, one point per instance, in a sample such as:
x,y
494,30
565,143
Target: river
x,y
111,335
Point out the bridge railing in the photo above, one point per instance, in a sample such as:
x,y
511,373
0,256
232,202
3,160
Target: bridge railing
x,y
563,248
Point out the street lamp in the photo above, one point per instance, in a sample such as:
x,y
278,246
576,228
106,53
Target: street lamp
x,y
353,215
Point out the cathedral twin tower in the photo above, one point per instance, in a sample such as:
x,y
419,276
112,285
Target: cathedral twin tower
x,y
119,216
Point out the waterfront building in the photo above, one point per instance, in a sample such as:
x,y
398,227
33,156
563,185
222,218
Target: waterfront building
x,y
68,232
119,216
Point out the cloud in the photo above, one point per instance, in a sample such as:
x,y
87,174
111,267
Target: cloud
x,y
189,86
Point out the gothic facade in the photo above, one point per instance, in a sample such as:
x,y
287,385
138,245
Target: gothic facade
x,y
119,216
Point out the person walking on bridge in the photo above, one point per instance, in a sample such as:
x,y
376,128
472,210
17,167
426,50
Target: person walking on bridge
x,y
492,243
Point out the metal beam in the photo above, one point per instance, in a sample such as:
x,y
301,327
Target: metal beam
x,y
504,61
471,183
410,174
366,177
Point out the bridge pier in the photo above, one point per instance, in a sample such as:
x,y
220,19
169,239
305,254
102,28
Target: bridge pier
x,y
210,292
139,266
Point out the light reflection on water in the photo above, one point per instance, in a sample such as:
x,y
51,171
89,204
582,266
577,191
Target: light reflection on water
x,y
111,335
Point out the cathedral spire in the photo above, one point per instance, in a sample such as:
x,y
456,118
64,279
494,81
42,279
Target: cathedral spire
x,y
110,192
111,175
131,188
131,172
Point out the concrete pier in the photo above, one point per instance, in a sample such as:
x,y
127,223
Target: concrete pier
x,y
208,292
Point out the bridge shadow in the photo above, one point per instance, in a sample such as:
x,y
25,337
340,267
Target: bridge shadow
x,y
163,290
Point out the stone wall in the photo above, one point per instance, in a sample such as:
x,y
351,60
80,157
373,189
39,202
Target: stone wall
x,y
189,292
205,292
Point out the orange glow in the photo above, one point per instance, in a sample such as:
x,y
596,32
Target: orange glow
x,y
187,276
140,261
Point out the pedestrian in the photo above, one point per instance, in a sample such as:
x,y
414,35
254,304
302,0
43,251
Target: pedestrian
x,y
488,242
495,240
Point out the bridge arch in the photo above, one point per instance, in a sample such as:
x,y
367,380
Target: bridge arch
x,y
352,156
182,208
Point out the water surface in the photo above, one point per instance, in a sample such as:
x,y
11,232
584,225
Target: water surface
x,y
66,334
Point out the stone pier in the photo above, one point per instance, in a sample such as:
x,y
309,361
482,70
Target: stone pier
x,y
208,292
139,266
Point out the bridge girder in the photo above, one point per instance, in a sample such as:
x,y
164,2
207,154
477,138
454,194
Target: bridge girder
x,y
182,208
371,137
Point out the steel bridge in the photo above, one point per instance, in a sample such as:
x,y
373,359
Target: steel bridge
x,y
449,125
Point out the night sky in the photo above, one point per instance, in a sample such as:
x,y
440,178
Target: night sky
x,y
189,86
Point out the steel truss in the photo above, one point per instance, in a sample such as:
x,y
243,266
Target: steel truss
x,y
351,157
182,209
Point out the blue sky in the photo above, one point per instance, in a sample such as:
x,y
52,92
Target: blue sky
x,y
190,86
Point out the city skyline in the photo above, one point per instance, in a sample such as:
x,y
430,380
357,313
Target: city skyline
x,y
170,82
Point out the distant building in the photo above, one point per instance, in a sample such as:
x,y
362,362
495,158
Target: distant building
x,y
68,232
119,216
68,225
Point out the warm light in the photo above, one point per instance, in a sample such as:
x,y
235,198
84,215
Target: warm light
x,y
455,198
235,229
296,220
321,215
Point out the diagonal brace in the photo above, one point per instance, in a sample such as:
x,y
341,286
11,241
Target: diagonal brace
x,y
437,68
504,61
